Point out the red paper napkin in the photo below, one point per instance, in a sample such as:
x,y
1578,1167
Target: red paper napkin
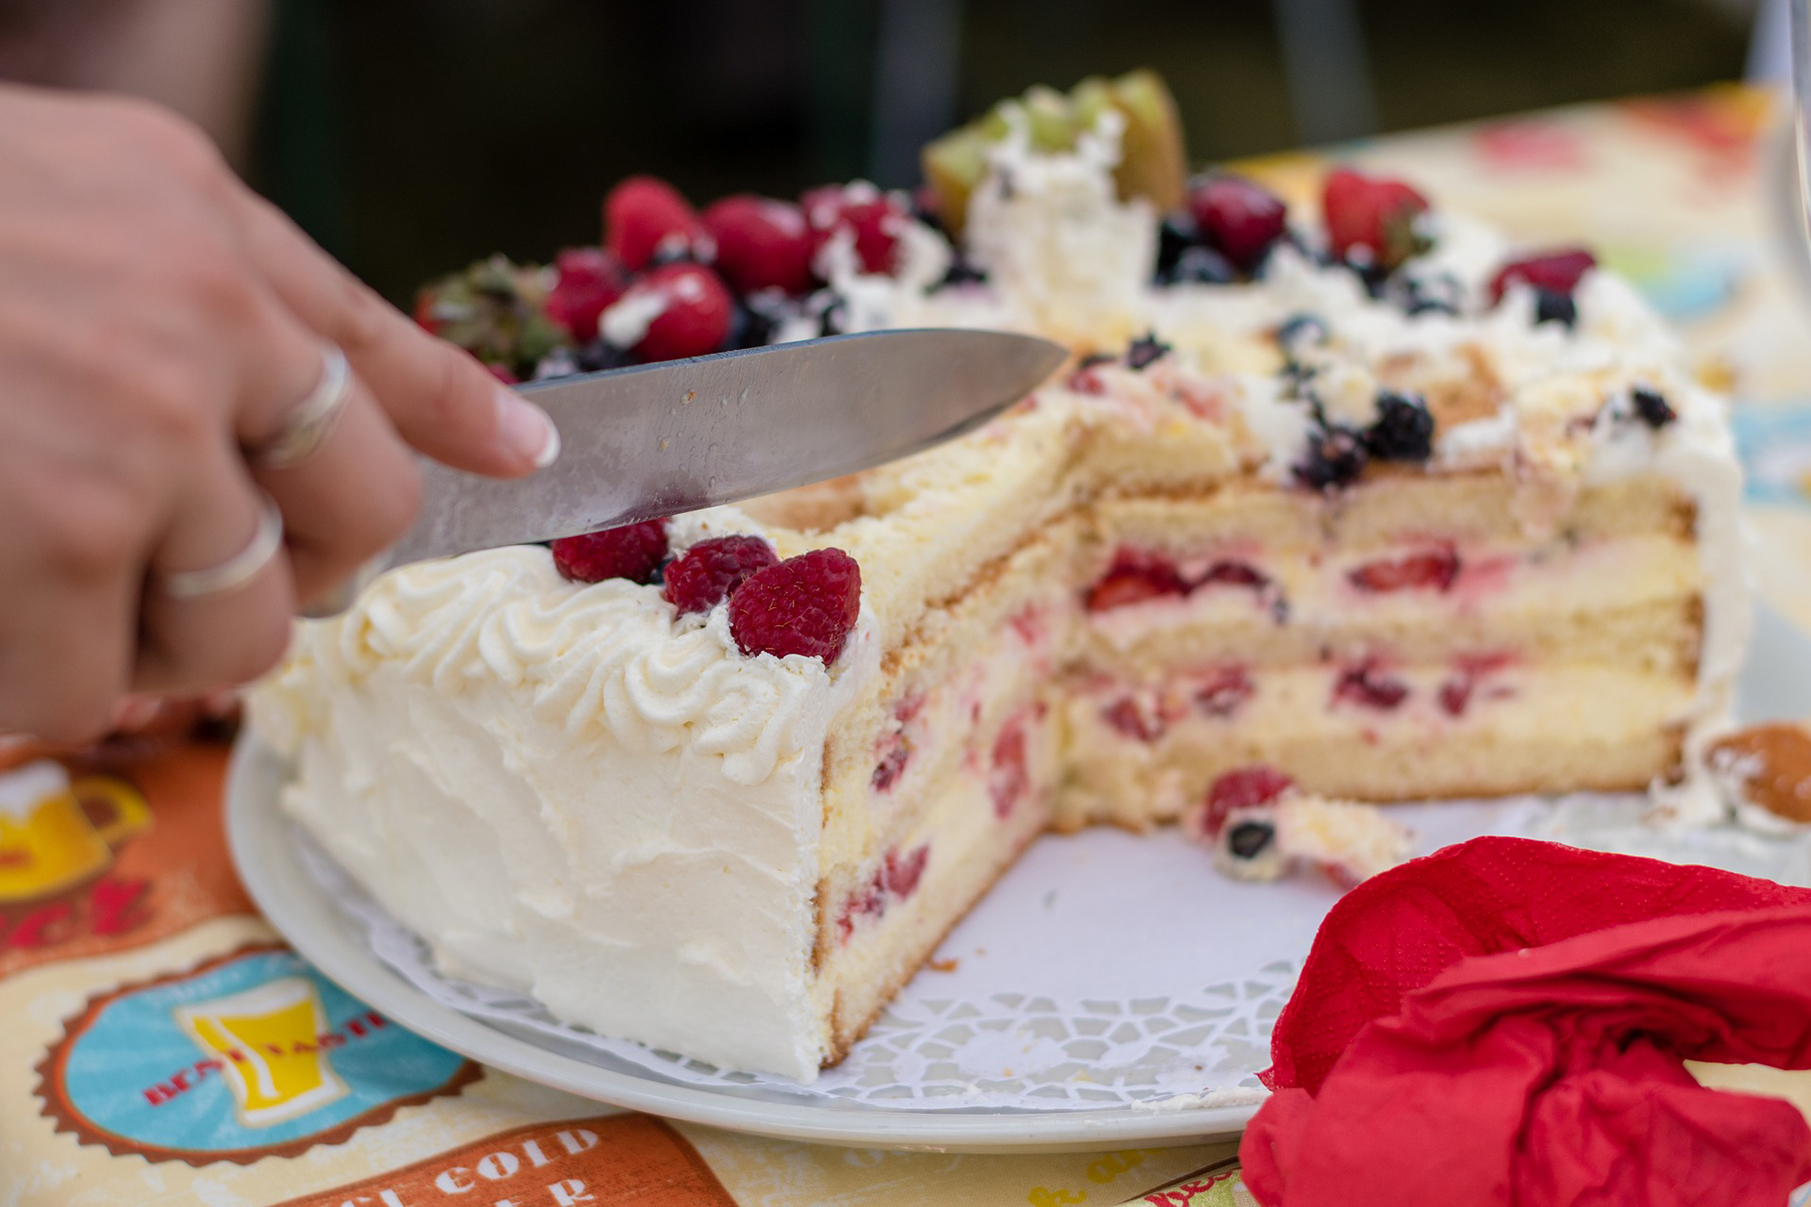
x,y
1506,1021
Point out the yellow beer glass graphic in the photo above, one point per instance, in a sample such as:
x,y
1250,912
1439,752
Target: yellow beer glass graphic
x,y
267,1040
48,838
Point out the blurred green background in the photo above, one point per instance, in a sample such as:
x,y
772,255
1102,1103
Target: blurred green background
x,y
411,136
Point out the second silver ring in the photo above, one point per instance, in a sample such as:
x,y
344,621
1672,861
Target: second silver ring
x,y
310,421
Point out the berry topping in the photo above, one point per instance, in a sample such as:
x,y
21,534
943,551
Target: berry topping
x,y
1176,234
1146,350
1652,407
704,575
646,219
1336,457
633,551
761,243
692,311
1238,217
1010,778
1246,788
874,218
1133,578
1550,272
1372,221
1404,430
892,764
1362,686
803,605
1432,571
589,279
1301,331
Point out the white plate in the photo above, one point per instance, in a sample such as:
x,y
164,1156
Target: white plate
x,y
1155,925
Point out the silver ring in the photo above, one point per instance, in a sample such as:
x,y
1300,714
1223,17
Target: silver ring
x,y
310,421
238,569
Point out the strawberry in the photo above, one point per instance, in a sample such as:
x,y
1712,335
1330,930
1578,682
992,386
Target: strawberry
x,y
589,279
645,218
1432,571
761,243
1238,217
1133,578
1371,220
875,218
693,317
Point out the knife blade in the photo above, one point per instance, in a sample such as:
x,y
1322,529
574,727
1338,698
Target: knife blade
x,y
665,438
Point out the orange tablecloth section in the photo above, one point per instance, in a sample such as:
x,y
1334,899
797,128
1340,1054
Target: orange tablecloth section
x,y
134,974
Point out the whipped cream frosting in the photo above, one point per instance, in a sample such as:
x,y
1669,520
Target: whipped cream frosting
x,y
483,694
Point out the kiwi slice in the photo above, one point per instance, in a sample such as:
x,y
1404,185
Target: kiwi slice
x,y
1152,164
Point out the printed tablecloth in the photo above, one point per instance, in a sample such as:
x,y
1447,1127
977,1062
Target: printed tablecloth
x,y
160,1045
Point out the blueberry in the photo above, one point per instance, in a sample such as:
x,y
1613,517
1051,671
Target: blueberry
x,y
1404,430
1552,306
1248,839
1201,265
748,328
600,354
1300,329
1145,350
961,272
1175,235
1436,293
1335,458
1652,407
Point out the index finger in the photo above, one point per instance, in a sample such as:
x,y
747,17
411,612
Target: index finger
x,y
441,400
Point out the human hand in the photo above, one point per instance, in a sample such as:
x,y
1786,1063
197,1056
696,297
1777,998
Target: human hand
x,y
158,324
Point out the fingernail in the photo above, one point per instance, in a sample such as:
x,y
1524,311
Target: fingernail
x,y
526,429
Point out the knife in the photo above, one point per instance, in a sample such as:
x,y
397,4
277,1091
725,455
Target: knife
x,y
660,439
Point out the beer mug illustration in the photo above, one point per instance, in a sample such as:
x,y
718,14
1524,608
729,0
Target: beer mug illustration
x,y
56,832
267,1041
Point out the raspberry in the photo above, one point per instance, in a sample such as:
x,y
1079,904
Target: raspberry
x,y
1359,686
1404,430
803,605
1238,217
892,764
1454,695
645,218
1010,778
900,874
761,243
874,217
1245,788
1549,272
1371,220
1433,571
695,315
1129,719
589,280
1652,407
633,551
1133,578
704,575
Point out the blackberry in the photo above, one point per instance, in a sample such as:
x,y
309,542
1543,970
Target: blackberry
x,y
1335,458
1145,350
748,328
1175,235
1404,430
1552,306
1201,265
1249,838
1652,407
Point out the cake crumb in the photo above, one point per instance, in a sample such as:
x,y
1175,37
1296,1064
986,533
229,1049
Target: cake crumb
x,y
949,965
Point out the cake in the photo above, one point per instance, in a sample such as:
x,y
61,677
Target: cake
x,y
1369,497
